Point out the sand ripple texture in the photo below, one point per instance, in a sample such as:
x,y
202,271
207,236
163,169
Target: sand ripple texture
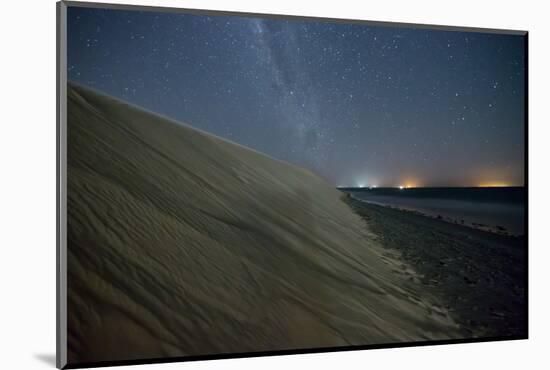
x,y
181,243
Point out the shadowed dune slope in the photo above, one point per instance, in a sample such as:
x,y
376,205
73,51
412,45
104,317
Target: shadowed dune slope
x,y
181,243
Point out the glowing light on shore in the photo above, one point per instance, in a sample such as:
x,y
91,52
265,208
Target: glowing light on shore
x,y
401,187
493,185
409,183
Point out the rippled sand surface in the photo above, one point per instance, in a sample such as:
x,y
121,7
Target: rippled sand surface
x,y
181,243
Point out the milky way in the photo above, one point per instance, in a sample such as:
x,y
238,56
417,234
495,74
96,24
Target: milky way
x,y
357,104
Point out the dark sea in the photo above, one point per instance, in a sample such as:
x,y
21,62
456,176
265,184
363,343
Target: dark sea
x,y
493,209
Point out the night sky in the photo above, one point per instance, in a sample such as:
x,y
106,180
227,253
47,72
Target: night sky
x,y
358,105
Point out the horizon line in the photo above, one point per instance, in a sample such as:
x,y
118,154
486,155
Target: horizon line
x,y
428,187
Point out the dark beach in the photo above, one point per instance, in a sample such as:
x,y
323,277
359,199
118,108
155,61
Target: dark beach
x,y
478,275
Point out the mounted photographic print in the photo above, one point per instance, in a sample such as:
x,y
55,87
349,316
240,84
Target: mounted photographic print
x,y
236,184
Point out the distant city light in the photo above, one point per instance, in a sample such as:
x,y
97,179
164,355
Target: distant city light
x,y
401,187
493,185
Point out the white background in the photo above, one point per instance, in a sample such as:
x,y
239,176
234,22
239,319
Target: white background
x,y
27,182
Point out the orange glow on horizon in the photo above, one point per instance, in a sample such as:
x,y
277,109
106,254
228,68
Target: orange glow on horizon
x,y
410,184
494,185
407,185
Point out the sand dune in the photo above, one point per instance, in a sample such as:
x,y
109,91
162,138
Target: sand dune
x,y
181,243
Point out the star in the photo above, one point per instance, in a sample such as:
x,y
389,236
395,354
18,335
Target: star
x,y
322,89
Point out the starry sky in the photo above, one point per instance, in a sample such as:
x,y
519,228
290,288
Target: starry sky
x,y
357,104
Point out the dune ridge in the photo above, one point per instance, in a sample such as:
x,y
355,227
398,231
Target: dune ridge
x,y
181,243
